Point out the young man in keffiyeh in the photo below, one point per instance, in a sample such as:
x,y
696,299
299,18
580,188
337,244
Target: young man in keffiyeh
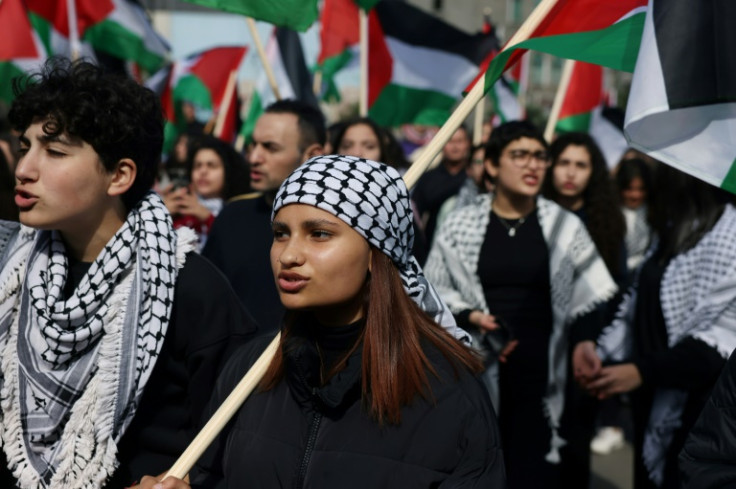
x,y
111,329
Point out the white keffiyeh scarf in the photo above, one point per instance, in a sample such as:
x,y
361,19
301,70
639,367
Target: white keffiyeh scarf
x,y
698,294
371,198
73,369
579,282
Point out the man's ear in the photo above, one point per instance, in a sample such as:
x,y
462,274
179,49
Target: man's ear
x,y
313,150
123,177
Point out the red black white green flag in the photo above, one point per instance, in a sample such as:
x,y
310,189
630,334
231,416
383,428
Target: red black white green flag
x,y
419,65
602,32
25,53
118,28
682,105
200,79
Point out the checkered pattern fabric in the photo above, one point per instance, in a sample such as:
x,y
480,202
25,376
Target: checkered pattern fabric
x,y
73,369
698,293
373,199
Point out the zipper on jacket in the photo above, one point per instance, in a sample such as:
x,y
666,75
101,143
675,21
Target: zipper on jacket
x,y
313,429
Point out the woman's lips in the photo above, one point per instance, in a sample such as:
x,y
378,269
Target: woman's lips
x,y
24,199
291,282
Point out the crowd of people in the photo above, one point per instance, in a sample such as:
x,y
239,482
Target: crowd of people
x,y
474,331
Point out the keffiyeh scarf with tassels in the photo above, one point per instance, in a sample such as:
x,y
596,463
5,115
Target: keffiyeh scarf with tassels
x,y
698,294
73,369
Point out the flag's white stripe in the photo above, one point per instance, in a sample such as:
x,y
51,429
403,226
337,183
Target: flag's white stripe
x,y
133,18
508,107
633,12
609,138
698,140
648,94
273,54
183,68
430,69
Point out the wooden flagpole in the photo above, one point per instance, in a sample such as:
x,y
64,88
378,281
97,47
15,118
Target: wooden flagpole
x,y
478,123
230,97
75,45
233,402
264,60
363,16
554,114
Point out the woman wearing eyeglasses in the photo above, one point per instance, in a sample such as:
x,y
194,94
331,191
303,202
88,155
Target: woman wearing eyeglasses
x,y
523,276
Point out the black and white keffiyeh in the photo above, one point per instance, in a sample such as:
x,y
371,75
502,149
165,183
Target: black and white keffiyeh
x,y
73,369
578,277
698,294
372,199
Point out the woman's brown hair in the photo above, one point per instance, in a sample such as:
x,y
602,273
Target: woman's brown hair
x,y
395,366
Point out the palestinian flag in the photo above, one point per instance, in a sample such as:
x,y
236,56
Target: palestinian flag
x,y
50,19
24,54
339,36
419,65
505,92
286,57
596,31
583,110
119,28
682,105
296,14
200,79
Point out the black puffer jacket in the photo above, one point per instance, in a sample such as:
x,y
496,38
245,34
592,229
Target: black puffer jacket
x,y
296,436
708,459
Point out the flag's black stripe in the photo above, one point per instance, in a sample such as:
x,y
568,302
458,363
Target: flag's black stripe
x,y
292,56
413,26
696,40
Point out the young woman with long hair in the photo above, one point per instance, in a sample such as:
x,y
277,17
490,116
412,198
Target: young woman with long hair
x,y
367,389
217,173
676,327
579,181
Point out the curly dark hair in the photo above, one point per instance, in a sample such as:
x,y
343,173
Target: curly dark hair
x,y
605,221
377,131
115,115
237,177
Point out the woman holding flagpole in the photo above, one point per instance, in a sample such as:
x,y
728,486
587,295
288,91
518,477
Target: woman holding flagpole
x,y
523,276
369,387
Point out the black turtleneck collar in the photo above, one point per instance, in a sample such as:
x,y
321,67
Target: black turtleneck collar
x,y
313,345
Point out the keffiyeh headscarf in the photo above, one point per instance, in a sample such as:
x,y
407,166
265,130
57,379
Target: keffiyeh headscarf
x,y
73,369
372,199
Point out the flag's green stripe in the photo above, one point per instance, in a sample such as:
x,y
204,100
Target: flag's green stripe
x,y
43,29
329,68
296,14
8,71
399,104
191,89
254,112
575,123
366,4
616,47
497,105
112,38
170,135
729,183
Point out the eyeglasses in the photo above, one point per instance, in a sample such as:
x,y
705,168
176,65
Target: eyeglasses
x,y
522,157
